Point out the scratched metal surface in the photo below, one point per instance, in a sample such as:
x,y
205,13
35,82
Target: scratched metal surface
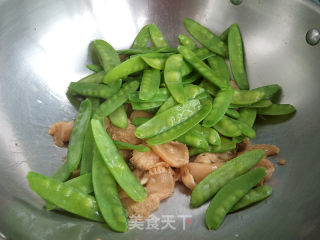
x,y
44,46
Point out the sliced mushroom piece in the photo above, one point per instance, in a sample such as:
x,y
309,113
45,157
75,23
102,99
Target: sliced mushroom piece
x,y
174,153
269,166
141,210
61,132
144,160
160,182
123,135
187,178
214,157
268,148
200,170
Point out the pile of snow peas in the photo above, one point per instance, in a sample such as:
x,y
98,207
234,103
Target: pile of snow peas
x,y
189,91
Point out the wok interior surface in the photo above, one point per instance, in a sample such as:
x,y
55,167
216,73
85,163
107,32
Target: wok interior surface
x,y
44,46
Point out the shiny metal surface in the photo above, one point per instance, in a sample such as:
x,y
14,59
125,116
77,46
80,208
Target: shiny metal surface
x,y
44,46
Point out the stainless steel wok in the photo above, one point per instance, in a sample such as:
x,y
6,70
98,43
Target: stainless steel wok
x,y
44,46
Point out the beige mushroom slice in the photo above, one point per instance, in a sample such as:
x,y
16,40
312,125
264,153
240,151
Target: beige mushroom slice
x,y
269,166
187,178
176,174
193,173
140,113
160,181
61,132
141,210
123,135
214,157
268,148
174,153
200,170
144,160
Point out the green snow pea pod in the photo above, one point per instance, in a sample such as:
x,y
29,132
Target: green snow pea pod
x,y
115,163
82,183
210,134
201,67
142,38
169,103
132,65
229,195
190,92
209,87
149,84
220,105
187,42
236,57
92,89
173,78
226,145
147,50
119,117
224,35
124,145
246,97
88,144
108,58
145,105
62,174
65,196
157,38
168,119
185,69
193,139
232,113
227,127
261,104
253,196
78,134
244,128
248,116
220,67
268,90
93,78
107,195
161,95
155,60
204,96
277,110
204,36
111,104
191,78
182,128
94,67
212,183
203,53
107,55
137,121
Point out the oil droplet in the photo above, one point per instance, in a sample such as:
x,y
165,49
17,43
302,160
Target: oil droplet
x,y
236,2
313,37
